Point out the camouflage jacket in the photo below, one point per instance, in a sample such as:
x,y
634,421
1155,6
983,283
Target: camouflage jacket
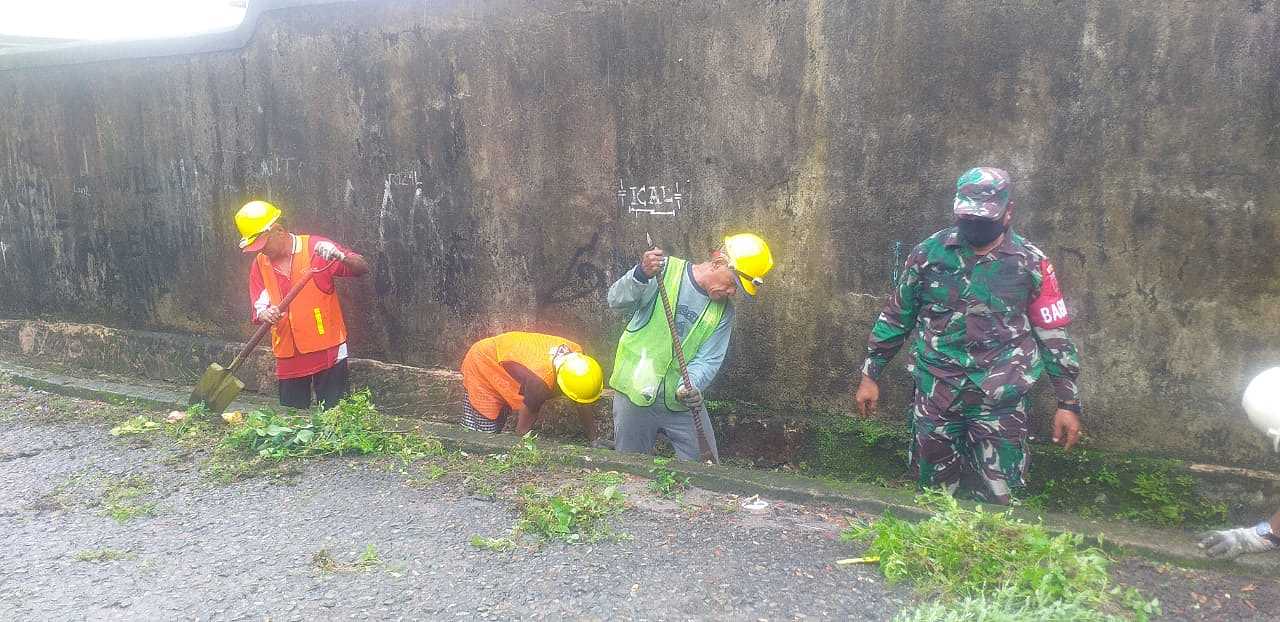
x,y
975,318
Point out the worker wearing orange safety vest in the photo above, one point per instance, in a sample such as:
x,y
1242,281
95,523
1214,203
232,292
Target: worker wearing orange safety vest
x,y
518,372
309,338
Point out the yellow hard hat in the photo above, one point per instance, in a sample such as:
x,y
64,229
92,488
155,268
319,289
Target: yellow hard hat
x,y
751,258
580,378
255,218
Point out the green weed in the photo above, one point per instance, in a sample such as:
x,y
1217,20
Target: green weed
x,y
324,561
1165,499
368,559
960,553
571,514
99,556
666,482
227,466
604,478
354,426
484,476
1002,606
496,545
123,501
434,472
575,512
1145,490
137,425
862,450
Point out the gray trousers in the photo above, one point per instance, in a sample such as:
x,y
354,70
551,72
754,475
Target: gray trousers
x,y
635,428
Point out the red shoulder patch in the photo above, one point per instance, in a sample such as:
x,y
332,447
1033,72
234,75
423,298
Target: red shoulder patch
x,y
1049,310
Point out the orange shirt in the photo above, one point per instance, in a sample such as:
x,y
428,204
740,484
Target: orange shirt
x,y
512,370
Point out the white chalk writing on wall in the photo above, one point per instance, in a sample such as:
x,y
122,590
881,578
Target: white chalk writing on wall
x,y
276,166
655,200
403,178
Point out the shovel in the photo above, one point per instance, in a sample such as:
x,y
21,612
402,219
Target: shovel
x,y
218,387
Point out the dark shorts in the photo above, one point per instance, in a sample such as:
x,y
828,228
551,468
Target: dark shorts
x,y
330,386
473,420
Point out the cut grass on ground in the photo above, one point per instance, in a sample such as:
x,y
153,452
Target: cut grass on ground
x,y
368,559
123,499
575,512
99,556
960,554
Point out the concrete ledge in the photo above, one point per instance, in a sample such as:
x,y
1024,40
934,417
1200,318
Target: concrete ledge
x,y
159,397
1168,545
179,358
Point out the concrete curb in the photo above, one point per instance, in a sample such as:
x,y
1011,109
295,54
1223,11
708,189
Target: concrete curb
x,y
109,391
1165,545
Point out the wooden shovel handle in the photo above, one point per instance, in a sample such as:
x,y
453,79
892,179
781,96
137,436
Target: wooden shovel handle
x,y
266,326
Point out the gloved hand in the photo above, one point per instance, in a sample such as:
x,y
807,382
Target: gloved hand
x,y
1229,543
689,396
329,251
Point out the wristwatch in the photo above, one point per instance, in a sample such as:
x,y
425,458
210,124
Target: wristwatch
x,y
1073,407
1263,530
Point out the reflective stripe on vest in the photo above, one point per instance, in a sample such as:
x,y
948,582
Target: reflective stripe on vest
x,y
313,321
645,359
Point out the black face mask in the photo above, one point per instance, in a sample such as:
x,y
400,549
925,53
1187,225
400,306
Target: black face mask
x,y
979,232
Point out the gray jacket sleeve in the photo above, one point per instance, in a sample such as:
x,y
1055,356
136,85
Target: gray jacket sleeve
x,y
630,293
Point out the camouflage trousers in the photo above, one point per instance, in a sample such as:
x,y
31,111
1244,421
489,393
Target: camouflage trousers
x,y
962,440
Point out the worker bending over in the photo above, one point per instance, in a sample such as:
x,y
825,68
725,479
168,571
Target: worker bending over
x,y
518,372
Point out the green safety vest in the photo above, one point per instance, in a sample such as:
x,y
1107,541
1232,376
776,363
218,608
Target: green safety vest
x,y
645,359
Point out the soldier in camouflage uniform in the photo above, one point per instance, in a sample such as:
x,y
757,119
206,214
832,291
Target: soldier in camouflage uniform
x,y
989,319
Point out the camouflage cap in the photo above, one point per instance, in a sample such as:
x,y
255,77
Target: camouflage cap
x,y
982,192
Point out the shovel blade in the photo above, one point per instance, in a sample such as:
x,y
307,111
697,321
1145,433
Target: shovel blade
x,y
224,394
217,389
209,383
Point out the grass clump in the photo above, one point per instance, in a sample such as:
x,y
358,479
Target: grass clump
x,y
1095,485
123,500
99,556
354,426
1003,606
666,482
368,559
497,545
571,514
960,553
574,513
482,477
137,425
861,450
604,478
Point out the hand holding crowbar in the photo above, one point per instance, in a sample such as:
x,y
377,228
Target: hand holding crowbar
x,y
706,453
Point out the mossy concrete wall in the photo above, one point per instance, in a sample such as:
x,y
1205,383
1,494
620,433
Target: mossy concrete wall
x,y
483,154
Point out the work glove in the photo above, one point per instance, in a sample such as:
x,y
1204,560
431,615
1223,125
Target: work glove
x,y
329,251
689,396
1229,543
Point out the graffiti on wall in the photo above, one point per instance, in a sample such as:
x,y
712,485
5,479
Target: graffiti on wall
x,y
654,200
580,279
